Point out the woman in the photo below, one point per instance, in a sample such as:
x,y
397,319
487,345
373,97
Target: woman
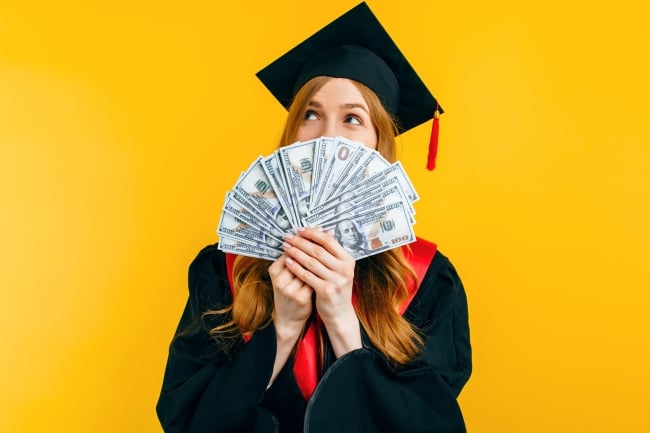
x,y
315,341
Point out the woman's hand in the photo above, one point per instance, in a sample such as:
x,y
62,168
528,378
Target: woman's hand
x,y
319,261
292,308
291,297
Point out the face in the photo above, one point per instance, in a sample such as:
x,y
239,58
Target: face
x,y
338,109
282,220
303,207
347,234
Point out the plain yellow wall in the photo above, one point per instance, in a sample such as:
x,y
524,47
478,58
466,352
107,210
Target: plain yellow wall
x,y
122,125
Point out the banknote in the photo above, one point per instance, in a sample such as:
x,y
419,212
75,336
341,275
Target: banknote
x,y
375,231
395,169
343,177
330,182
361,193
322,152
255,186
297,162
362,203
235,205
366,167
272,166
233,227
342,154
235,246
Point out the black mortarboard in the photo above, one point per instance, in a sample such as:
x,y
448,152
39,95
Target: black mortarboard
x,y
356,46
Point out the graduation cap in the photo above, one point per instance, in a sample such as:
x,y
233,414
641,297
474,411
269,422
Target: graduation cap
x,y
356,46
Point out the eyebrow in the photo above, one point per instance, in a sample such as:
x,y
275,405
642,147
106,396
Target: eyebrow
x,y
316,104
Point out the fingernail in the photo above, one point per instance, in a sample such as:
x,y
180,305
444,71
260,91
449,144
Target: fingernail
x,y
286,245
288,236
301,229
288,261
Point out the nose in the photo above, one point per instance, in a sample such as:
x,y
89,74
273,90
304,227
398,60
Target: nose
x,y
330,128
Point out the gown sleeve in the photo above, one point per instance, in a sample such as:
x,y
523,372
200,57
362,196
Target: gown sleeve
x,y
441,313
205,390
361,391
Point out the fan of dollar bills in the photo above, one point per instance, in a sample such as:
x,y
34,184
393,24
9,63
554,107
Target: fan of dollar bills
x,y
328,182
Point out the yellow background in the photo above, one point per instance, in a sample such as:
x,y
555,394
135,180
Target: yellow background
x,y
122,125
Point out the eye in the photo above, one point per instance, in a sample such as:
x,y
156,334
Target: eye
x,y
353,119
310,115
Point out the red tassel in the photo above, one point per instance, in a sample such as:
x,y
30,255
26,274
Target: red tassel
x,y
433,142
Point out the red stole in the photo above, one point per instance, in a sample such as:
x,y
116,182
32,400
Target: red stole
x,y
306,366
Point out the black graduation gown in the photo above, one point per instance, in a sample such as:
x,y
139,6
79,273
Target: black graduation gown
x,y
206,391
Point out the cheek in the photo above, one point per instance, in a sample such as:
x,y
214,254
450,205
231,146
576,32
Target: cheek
x,y
307,131
371,140
366,136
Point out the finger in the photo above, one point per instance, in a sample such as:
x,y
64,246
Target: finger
x,y
311,257
318,245
324,238
280,275
301,292
277,267
304,275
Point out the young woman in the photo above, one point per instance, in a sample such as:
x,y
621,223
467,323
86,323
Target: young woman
x,y
316,341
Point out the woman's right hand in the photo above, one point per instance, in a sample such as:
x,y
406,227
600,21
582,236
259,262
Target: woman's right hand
x,y
292,307
292,299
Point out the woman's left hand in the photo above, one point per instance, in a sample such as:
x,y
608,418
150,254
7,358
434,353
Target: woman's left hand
x,y
316,258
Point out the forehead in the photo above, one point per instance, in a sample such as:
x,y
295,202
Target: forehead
x,y
346,225
338,90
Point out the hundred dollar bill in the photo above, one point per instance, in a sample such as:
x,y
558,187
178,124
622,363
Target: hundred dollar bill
x,y
233,227
359,194
256,189
235,205
297,162
366,167
395,169
344,176
355,194
322,152
375,231
369,200
235,246
272,166
343,153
